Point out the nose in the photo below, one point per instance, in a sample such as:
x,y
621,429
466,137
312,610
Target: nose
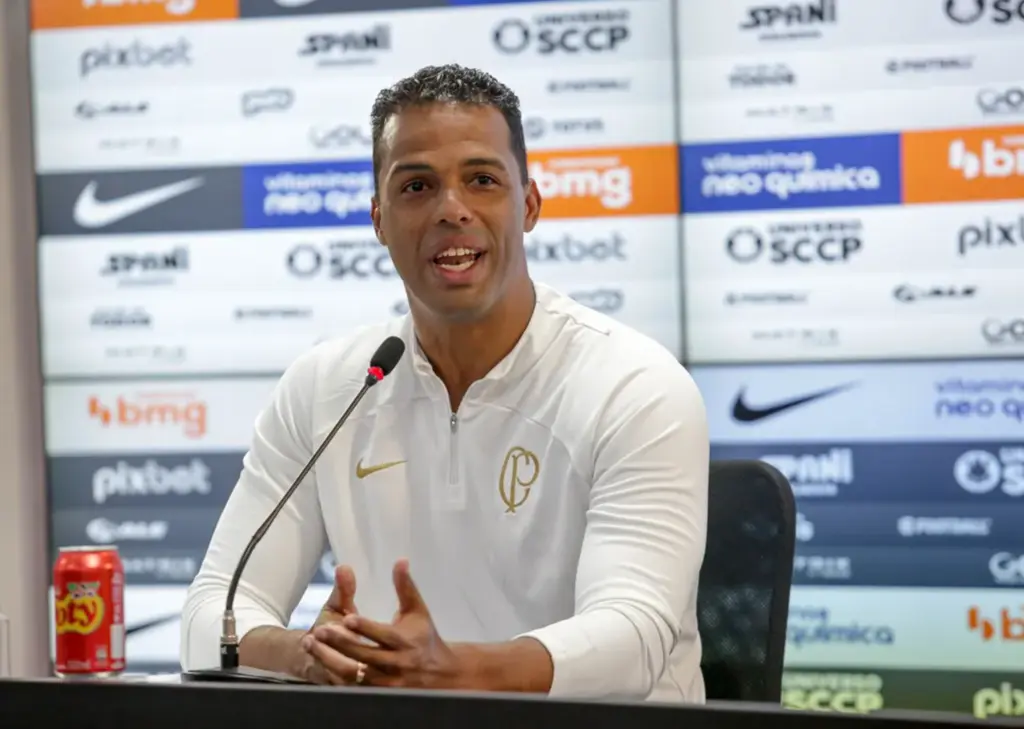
x,y
451,208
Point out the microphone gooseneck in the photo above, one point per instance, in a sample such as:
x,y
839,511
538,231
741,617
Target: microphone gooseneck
x,y
382,363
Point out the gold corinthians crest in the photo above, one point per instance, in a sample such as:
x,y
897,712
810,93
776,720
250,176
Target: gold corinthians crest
x,y
519,471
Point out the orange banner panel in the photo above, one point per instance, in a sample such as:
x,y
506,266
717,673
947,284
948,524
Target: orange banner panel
x,y
598,183
963,164
85,13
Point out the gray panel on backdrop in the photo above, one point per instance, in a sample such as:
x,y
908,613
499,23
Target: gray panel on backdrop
x,y
140,201
139,526
143,481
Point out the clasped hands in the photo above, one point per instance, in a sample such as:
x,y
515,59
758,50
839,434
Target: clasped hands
x,y
350,649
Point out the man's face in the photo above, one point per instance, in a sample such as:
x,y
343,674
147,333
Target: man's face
x,y
452,208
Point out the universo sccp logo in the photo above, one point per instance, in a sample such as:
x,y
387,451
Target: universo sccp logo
x,y
998,12
319,194
595,32
792,173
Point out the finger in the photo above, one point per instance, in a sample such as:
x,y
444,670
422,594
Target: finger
x,y
326,666
339,639
382,634
341,601
409,598
345,589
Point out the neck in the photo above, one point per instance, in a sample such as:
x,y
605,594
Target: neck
x,y
463,352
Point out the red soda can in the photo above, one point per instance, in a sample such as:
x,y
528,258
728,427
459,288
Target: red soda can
x,y
88,592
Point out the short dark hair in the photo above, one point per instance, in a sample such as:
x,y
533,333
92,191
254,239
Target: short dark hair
x,y
449,84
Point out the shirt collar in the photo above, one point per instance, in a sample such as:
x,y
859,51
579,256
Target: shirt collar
x,y
540,332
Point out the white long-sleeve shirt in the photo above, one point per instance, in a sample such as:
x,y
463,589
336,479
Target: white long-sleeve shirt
x,y
566,500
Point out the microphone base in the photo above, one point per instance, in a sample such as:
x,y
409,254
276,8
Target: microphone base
x,y
242,674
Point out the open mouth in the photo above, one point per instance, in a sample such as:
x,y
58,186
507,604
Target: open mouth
x,y
457,260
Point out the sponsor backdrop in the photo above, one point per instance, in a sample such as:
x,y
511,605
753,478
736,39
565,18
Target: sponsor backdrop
x,y
817,206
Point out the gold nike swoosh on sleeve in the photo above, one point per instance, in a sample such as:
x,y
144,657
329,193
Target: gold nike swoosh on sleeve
x,y
364,472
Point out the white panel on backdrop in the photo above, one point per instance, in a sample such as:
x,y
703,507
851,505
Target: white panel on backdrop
x,y
801,114
940,401
743,27
918,239
917,297
954,630
271,262
776,73
998,332
153,416
334,47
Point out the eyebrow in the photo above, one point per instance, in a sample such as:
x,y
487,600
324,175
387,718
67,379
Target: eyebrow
x,y
471,162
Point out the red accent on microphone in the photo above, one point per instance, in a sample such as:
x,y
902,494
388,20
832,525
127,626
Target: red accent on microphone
x,y
376,373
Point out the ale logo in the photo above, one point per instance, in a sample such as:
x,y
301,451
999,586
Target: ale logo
x,y
80,610
179,410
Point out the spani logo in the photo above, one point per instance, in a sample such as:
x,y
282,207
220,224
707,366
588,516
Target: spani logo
x,y
320,194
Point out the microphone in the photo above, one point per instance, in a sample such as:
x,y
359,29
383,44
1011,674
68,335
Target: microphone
x,y
382,363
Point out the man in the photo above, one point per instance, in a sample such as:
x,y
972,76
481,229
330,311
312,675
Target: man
x,y
544,467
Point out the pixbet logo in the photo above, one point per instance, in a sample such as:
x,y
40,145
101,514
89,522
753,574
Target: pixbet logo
x,y
804,244
135,55
1004,701
150,479
153,410
991,234
1000,12
569,249
1004,627
598,32
991,161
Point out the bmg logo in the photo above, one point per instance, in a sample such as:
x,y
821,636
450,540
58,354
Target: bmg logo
x,y
1005,627
153,410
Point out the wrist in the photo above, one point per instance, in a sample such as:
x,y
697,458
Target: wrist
x,y
523,665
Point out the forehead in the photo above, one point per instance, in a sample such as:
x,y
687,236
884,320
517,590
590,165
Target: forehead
x,y
444,128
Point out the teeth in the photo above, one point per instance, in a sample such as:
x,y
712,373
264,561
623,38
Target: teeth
x,y
453,252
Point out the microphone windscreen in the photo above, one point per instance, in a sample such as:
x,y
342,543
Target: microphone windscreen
x,y
388,354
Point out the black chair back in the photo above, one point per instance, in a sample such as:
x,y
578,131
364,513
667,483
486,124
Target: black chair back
x,y
743,595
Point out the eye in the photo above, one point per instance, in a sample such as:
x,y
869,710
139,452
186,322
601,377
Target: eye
x,y
414,186
485,180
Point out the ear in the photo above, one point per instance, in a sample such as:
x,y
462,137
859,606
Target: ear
x,y
375,217
531,211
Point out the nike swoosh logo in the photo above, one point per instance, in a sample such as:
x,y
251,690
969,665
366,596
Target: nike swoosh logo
x,y
364,472
743,413
92,213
